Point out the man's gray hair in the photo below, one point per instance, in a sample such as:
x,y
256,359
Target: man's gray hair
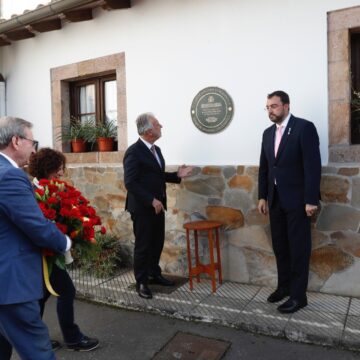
x,y
143,123
12,126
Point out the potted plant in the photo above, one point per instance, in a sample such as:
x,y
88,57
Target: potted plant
x,y
105,133
78,134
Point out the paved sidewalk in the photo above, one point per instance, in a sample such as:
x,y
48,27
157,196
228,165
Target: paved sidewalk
x,y
327,320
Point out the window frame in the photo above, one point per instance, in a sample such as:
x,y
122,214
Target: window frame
x,y
61,77
99,83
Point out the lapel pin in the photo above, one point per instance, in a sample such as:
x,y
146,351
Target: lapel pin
x,y
289,131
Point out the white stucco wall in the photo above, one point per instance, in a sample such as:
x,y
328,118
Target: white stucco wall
x,y
175,48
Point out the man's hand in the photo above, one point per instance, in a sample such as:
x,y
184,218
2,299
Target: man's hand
x,y
184,171
262,206
310,209
158,206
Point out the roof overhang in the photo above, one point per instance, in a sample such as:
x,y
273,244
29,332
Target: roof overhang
x,y
52,17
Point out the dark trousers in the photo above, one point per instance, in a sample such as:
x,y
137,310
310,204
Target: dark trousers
x,y
149,231
291,239
21,327
63,285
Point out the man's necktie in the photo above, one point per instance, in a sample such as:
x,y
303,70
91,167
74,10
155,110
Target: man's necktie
x,y
155,154
278,136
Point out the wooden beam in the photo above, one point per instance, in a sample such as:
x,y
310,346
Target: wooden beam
x,y
46,25
78,15
4,42
116,4
19,34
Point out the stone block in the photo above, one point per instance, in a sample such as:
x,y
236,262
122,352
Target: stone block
x,y
210,186
229,171
253,217
348,241
238,199
231,218
345,282
328,260
338,45
252,237
261,266
190,202
334,189
348,171
319,239
241,182
234,264
338,217
339,115
355,196
211,170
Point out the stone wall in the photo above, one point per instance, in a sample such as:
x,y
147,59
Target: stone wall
x,y
229,194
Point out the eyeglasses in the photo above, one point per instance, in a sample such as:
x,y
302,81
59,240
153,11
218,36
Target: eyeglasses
x,y
272,107
35,143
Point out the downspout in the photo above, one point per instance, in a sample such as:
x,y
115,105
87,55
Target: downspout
x,y
55,7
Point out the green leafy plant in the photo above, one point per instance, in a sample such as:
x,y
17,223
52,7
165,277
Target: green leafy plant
x,y
101,260
106,129
77,130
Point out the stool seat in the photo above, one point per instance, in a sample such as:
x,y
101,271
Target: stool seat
x,y
211,227
202,225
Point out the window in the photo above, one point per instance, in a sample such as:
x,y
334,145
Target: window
x,y
94,89
355,85
94,99
343,77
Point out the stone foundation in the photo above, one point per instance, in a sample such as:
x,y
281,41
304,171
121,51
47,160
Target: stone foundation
x,y
229,194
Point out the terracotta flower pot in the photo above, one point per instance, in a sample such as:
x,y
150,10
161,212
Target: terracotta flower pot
x,y
78,145
105,144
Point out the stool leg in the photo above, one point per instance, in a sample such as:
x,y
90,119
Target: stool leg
x,y
189,258
197,259
212,262
218,255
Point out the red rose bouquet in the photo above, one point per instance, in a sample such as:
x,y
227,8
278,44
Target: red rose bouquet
x,y
64,204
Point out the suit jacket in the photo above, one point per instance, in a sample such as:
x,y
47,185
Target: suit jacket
x,y
296,168
145,179
23,232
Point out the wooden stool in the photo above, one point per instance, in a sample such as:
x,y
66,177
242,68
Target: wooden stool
x,y
210,227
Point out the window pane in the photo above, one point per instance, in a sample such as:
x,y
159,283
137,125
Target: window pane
x,y
87,99
87,119
110,101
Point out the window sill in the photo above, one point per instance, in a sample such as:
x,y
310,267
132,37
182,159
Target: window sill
x,y
104,157
344,153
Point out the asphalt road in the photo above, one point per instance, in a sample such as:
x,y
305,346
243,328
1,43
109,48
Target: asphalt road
x,y
130,335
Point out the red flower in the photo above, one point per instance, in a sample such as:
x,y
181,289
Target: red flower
x,y
65,205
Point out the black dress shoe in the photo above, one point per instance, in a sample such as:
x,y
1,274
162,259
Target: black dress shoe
x,y
160,280
143,291
290,306
55,345
278,295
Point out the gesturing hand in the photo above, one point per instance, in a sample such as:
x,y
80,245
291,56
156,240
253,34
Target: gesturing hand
x,y
158,206
184,171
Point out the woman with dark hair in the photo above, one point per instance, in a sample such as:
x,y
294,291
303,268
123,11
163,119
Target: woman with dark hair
x,y
50,164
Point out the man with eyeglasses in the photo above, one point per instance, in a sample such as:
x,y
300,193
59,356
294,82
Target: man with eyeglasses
x,y
289,187
24,231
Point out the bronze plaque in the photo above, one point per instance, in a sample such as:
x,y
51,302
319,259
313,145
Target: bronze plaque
x,y
212,110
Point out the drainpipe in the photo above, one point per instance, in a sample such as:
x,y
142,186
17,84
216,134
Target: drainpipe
x,y
53,8
2,96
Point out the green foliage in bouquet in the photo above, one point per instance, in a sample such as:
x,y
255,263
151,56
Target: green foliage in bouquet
x,y
101,260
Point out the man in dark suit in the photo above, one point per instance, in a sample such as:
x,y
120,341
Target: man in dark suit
x,y
23,232
289,186
145,180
